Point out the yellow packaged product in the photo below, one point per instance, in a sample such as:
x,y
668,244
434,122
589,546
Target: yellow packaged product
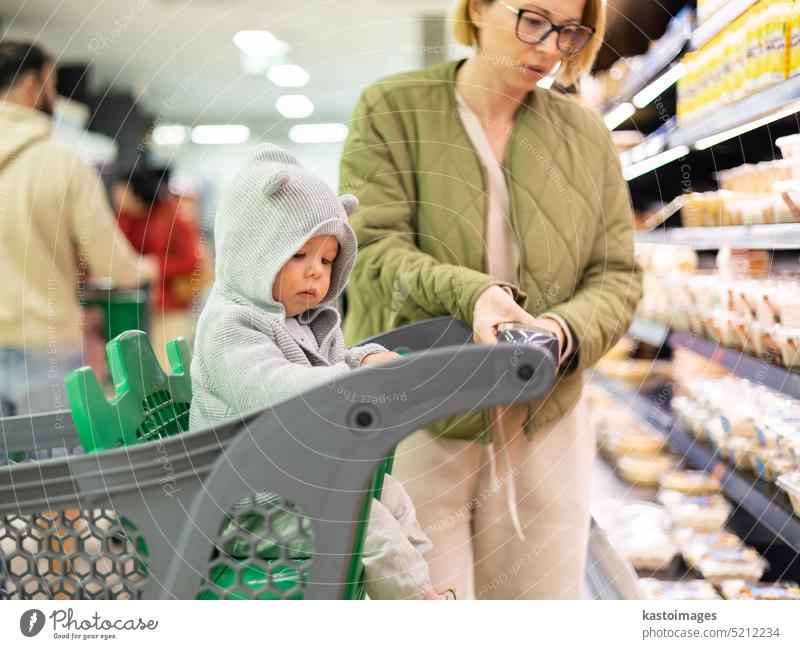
x,y
793,39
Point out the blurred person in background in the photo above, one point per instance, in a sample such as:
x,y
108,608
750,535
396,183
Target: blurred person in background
x,y
155,224
55,223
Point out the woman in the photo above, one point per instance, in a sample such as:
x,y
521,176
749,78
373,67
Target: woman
x,y
155,224
488,198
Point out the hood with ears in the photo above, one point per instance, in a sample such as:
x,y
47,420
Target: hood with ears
x,y
266,214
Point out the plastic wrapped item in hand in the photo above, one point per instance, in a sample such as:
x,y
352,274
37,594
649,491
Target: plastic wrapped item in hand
x,y
780,590
696,589
517,333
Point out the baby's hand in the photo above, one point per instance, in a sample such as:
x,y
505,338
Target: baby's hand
x,y
378,357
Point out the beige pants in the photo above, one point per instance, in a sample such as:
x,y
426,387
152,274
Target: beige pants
x,y
462,505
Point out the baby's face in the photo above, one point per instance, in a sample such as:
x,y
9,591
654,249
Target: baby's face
x,y
303,281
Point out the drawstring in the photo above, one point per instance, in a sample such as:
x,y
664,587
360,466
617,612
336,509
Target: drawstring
x,y
511,485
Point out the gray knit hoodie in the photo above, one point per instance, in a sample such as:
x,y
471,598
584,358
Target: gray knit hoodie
x,y
244,357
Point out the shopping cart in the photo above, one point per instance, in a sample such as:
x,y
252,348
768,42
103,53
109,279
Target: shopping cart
x,y
267,506
123,309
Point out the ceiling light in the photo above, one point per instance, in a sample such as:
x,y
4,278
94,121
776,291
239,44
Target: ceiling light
x,y
648,164
257,42
168,134
616,116
317,133
294,106
220,134
287,75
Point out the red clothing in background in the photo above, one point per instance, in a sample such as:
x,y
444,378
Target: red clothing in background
x,y
174,239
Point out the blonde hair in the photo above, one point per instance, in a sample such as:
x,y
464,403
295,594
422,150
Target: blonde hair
x,y
594,15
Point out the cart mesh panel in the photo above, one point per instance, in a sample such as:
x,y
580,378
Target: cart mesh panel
x,y
264,551
162,417
72,555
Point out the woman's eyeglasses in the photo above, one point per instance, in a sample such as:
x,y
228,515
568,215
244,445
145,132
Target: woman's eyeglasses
x,y
533,27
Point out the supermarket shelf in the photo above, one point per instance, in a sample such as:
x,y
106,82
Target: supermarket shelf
x,y
743,365
777,236
763,502
761,104
719,21
663,52
649,331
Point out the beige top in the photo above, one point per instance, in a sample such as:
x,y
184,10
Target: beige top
x,y
54,220
503,263
501,242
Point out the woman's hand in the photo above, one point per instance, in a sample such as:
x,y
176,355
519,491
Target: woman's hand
x,y
378,357
496,306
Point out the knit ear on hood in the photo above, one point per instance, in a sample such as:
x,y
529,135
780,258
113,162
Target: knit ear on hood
x,y
274,183
350,204
271,207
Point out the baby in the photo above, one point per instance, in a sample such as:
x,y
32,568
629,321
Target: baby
x,y
268,332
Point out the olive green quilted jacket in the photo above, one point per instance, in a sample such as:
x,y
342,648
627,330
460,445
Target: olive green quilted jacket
x,y
421,226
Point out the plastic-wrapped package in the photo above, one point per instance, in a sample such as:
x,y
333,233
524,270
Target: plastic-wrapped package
x,y
736,563
690,482
703,513
639,531
790,483
694,546
638,441
740,589
690,589
645,471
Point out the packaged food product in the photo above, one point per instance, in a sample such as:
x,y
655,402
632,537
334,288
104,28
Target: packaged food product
x,y
706,513
635,370
741,452
739,563
641,443
690,482
694,545
790,144
790,483
770,464
616,513
646,551
645,471
789,443
689,589
780,304
788,340
692,414
739,589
